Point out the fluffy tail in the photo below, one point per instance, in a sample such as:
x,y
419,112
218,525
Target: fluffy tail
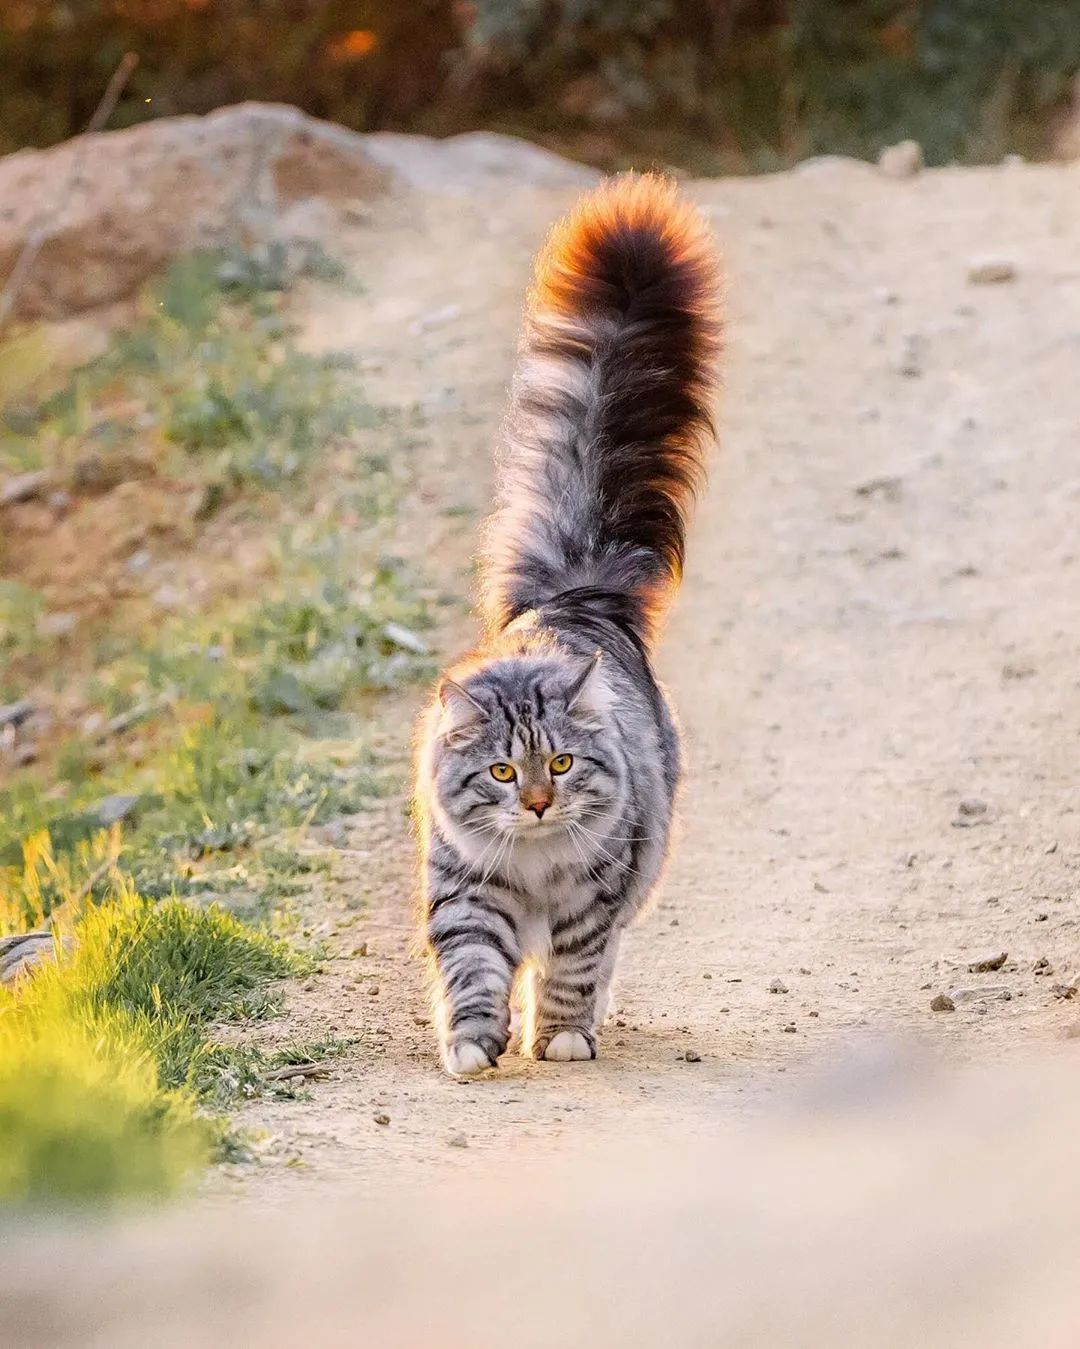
x,y
611,409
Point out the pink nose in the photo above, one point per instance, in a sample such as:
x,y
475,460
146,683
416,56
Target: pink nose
x,y
537,804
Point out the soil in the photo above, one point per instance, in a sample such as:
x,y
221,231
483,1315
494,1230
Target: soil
x,y
879,622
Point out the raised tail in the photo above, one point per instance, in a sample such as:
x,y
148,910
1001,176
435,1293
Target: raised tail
x,y
611,409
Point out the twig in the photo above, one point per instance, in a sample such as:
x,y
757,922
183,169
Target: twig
x,y
40,231
298,1070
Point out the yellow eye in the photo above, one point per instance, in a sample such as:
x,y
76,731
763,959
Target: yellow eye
x,y
502,772
561,763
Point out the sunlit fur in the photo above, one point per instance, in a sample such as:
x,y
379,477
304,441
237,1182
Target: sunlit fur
x,y
604,443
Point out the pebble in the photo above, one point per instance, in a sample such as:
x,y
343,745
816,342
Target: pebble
x,y
455,1140
988,963
23,487
902,160
981,994
14,714
405,639
380,1118
971,807
912,350
942,1003
111,810
991,271
692,1056
1042,966
56,625
1064,992
1051,847
778,986
790,1028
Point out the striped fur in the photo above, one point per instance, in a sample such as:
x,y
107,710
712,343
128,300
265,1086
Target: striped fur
x,y
534,879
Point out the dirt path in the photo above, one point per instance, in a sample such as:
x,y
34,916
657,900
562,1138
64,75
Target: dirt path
x,y
880,621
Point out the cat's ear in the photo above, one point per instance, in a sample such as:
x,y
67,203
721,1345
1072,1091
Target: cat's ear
x,y
461,713
589,694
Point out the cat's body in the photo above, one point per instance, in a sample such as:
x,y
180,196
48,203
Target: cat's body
x,y
550,761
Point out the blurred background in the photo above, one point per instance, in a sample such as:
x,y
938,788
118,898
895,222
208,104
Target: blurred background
x,y
705,86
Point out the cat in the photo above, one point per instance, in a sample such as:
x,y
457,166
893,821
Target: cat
x,y
549,759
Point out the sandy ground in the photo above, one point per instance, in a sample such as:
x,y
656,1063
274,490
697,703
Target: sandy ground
x,y
879,622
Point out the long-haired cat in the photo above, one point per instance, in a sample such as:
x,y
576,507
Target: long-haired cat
x,y
549,760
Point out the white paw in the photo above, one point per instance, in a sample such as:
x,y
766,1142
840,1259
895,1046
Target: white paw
x,y
568,1046
465,1057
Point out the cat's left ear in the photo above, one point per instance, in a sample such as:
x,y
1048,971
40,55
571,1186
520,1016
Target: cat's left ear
x,y
589,693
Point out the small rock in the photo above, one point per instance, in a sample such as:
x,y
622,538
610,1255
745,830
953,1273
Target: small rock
x,y
903,160
14,714
790,1028
1064,992
333,834
706,975
23,487
778,986
981,994
373,991
1042,967
942,1003
61,502
381,1118
692,1056
912,352
19,955
405,638
971,806
455,1140
1051,847
991,271
435,318
988,963
111,810
56,625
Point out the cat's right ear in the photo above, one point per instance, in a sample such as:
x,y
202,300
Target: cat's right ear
x,y
461,713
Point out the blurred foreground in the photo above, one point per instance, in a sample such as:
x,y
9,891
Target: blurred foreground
x,y
890,1207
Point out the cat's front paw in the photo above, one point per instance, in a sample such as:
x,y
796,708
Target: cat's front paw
x,y
465,1058
566,1046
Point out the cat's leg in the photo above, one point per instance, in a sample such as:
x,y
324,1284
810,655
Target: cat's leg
x,y
476,952
573,990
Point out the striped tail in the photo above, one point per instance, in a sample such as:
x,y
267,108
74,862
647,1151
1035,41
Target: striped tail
x,y
611,409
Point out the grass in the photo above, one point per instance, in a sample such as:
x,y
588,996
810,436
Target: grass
x,y
208,381
224,731
106,1057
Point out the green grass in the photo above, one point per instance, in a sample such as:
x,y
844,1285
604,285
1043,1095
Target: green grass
x,y
239,727
106,1058
208,382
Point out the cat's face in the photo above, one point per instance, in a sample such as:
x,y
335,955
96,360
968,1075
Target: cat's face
x,y
523,754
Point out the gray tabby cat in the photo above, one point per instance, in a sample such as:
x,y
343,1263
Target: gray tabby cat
x,y
549,761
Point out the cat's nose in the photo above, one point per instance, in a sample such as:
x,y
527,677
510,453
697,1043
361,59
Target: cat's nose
x,y
537,804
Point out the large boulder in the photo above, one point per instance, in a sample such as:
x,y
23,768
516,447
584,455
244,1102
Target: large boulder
x,y
118,205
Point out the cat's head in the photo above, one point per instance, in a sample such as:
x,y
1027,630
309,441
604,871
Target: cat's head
x,y
522,750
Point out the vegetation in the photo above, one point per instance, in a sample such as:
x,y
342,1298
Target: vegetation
x,y
181,751
721,84
105,1056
